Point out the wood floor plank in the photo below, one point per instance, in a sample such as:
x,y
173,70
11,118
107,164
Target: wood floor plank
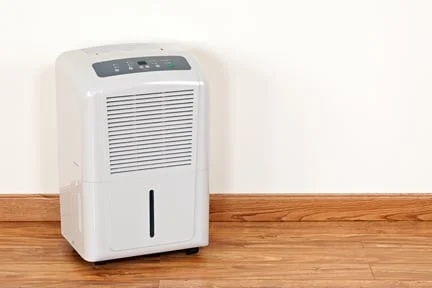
x,y
224,254
335,254
345,235
182,270
418,242
75,284
347,229
292,284
34,229
403,271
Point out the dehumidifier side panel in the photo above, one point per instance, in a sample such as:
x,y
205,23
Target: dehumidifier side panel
x,y
69,153
202,190
69,132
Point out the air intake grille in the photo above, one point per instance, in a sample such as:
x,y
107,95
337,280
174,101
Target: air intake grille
x,y
150,131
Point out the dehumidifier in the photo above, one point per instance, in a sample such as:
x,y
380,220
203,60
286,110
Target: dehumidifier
x,y
133,151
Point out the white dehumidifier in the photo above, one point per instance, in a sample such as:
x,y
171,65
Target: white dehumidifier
x,y
133,151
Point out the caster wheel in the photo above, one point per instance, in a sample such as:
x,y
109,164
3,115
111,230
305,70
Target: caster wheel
x,y
99,263
192,251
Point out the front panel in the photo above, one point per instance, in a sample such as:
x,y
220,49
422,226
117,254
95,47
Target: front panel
x,y
152,210
151,162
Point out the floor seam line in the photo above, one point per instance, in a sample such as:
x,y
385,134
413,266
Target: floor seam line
x,y
371,270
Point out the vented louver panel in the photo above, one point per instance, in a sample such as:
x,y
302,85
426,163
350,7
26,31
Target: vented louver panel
x,y
150,131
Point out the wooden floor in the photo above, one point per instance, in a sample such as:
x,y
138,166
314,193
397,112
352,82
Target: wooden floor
x,y
266,254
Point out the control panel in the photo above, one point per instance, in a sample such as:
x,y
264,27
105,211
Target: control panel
x,y
140,64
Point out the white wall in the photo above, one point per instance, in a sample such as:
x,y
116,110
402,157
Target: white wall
x,y
307,95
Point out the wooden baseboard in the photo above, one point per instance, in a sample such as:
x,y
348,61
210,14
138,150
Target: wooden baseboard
x,y
296,208
260,207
